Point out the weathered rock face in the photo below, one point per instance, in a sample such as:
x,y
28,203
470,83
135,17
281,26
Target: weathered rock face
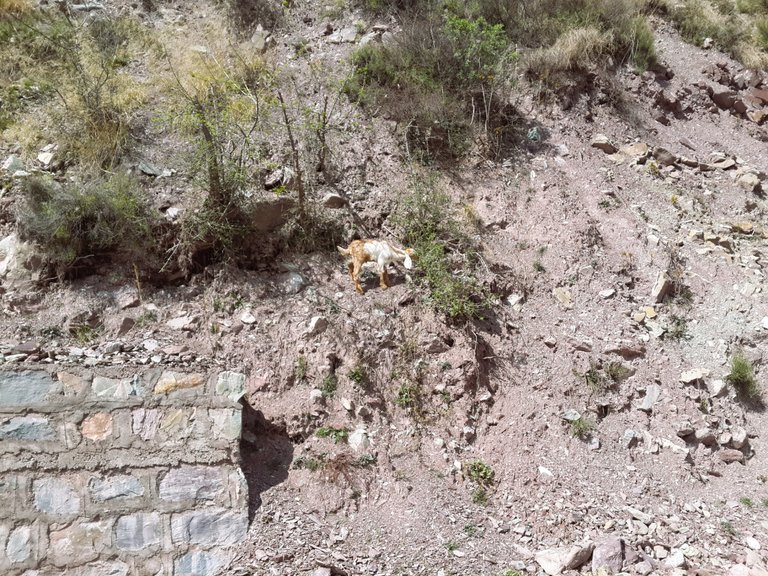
x,y
115,474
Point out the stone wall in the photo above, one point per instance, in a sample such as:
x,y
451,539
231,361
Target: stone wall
x,y
120,472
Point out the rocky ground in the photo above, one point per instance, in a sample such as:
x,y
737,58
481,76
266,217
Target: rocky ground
x,y
630,247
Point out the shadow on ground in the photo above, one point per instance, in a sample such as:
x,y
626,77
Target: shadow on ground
x,y
266,453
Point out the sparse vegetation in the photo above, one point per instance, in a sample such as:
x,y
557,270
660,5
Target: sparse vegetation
x,y
617,372
335,434
329,385
78,223
728,528
445,257
480,473
300,369
407,396
480,496
358,375
742,378
677,328
582,428
307,463
747,502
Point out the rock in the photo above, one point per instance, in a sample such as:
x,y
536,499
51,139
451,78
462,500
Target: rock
x,y
292,282
730,455
231,385
170,381
19,263
580,344
636,150
317,325
629,439
79,543
601,142
358,440
191,483
112,487
693,376
348,35
664,156
551,342
571,415
27,428
724,99
563,295
185,322
138,531
652,393
608,293
13,164
661,287
209,527
269,215
685,429
675,560
259,39
608,556
738,437
705,436
56,496
627,351
334,201
749,181
639,515
199,562
556,560
716,387
247,318
97,427
752,543
19,545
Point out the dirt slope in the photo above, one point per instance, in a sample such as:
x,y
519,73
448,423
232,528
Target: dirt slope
x,y
578,237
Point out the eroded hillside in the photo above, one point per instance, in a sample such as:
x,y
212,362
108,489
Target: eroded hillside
x,y
570,378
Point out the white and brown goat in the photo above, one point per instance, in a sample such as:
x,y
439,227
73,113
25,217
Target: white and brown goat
x,y
381,252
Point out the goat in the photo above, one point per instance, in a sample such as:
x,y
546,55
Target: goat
x,y
379,251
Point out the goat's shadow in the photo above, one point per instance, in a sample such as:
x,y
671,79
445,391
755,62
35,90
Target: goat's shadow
x,y
266,454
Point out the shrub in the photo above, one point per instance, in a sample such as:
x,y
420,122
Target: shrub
x,y
582,428
742,378
433,78
85,220
480,473
445,255
329,386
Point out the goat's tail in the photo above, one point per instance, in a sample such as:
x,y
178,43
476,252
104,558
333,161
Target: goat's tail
x,y
343,251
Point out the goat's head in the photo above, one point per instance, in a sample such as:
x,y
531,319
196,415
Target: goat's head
x,y
407,262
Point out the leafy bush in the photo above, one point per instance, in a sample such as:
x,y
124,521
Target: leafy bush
x,y
335,434
84,220
480,473
433,78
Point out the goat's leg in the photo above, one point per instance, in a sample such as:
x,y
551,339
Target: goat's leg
x,y
384,278
356,267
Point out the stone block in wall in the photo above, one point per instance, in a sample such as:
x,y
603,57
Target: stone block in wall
x,y
175,424
231,385
72,384
56,496
97,427
227,422
209,527
23,545
116,388
199,563
80,542
171,381
115,568
146,423
191,483
31,428
122,486
25,388
138,531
